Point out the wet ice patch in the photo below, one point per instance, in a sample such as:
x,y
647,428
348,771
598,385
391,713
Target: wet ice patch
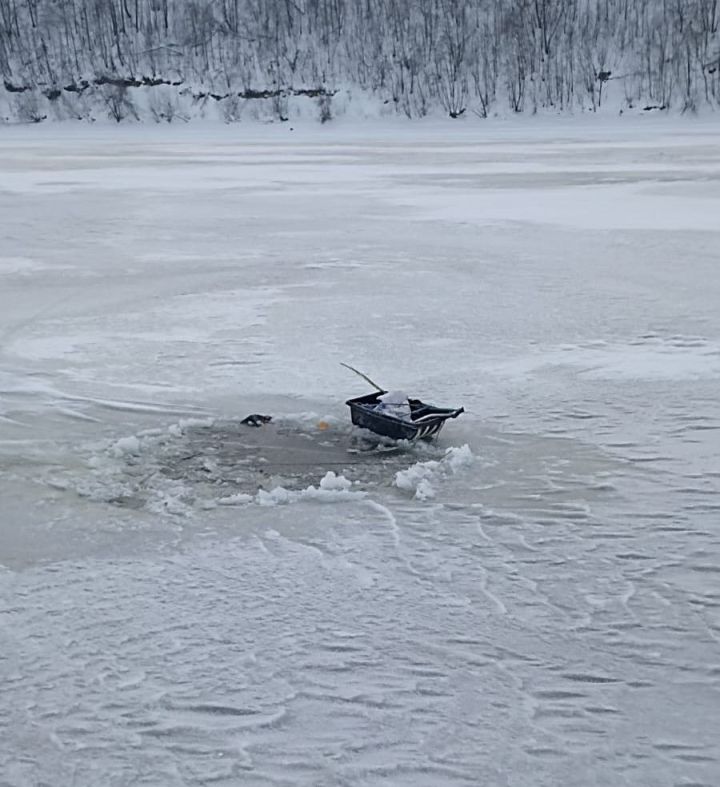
x,y
628,206
23,266
422,478
648,357
657,358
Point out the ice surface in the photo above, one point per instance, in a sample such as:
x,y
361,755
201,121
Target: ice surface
x,y
533,601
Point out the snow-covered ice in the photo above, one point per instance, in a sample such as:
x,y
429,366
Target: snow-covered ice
x,y
534,600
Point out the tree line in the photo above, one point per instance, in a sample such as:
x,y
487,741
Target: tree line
x,y
474,56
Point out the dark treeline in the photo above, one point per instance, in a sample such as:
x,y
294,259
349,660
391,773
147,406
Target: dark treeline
x,y
459,55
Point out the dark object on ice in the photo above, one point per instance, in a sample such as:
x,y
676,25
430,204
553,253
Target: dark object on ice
x,y
422,421
256,420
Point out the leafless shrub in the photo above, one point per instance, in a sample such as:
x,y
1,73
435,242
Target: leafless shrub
x,y
28,108
117,102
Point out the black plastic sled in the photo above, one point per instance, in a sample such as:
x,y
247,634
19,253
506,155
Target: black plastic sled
x,y
422,422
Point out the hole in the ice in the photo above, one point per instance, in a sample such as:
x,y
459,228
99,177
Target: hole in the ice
x,y
193,465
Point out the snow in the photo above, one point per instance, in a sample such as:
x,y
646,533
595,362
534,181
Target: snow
x,y
395,403
531,601
332,482
126,445
421,477
331,489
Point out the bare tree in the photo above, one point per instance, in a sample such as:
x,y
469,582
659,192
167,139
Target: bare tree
x,y
411,55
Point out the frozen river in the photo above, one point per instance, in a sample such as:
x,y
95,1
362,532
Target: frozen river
x,y
532,602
